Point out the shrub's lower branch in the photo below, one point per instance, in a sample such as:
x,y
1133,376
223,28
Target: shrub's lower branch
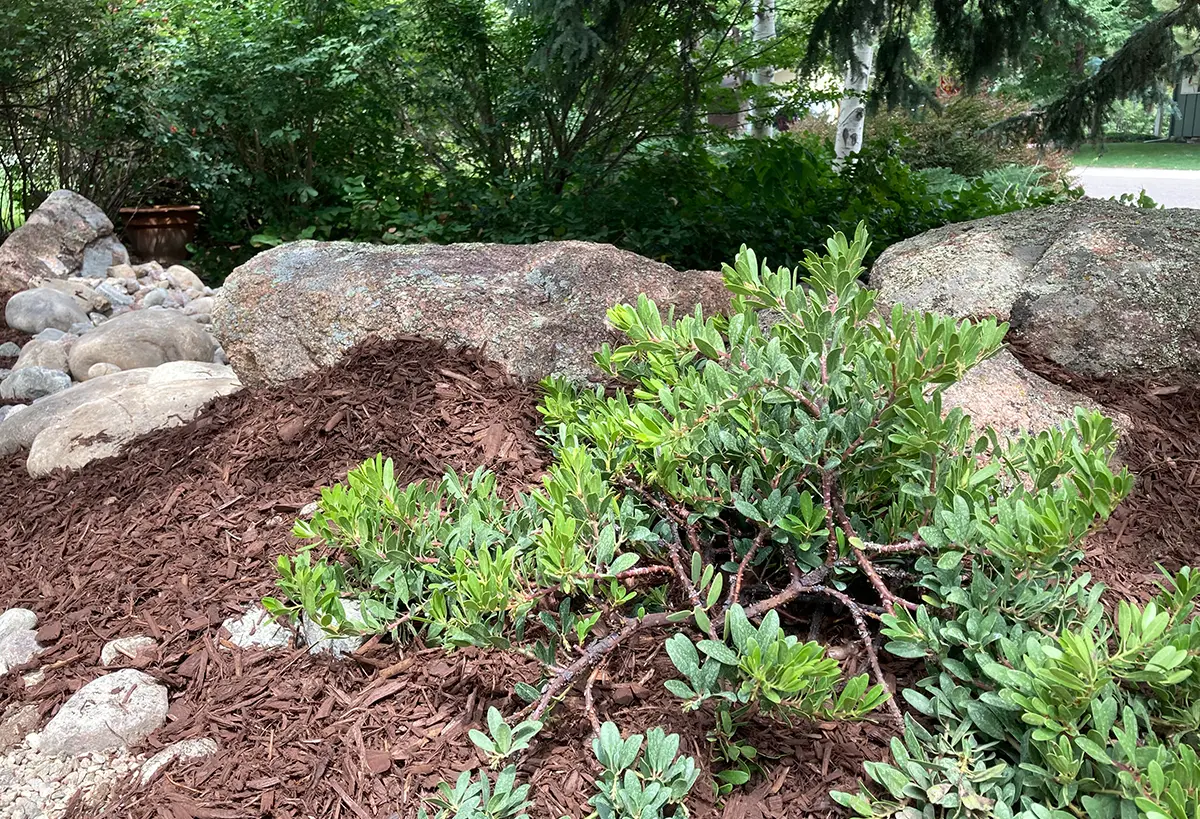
x,y
868,642
591,657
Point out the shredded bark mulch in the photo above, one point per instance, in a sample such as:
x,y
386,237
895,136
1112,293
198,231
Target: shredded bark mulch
x,y
1159,523
181,532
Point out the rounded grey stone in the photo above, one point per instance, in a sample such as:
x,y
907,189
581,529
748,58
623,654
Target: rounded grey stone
x,y
32,311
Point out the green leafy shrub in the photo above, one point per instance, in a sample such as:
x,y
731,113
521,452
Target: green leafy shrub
x,y
794,450
692,205
637,782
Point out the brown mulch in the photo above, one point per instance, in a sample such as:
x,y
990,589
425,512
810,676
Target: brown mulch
x,y
1159,523
181,532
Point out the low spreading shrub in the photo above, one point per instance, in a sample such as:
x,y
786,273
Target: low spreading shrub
x,y
794,451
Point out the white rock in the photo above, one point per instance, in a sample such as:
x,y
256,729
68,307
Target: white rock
x,y
321,642
178,751
257,629
170,395
309,509
18,638
183,278
114,711
126,647
154,298
9,350
101,368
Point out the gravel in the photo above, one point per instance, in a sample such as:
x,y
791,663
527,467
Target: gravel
x,y
34,785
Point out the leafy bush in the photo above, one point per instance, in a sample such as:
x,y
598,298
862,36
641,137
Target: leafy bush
x,y
794,450
688,204
953,136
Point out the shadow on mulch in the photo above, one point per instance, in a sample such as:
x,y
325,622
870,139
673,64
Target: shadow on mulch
x,y
8,334
1159,523
182,530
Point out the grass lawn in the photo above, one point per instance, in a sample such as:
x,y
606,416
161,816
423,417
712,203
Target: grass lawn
x,y
1167,155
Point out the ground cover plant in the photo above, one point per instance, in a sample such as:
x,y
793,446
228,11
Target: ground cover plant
x,y
735,470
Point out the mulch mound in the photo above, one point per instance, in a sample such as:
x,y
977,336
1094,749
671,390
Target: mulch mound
x,y
1159,523
181,532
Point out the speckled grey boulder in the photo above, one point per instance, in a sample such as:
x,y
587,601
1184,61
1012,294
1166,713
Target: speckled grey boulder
x,y
145,338
32,311
65,235
1099,288
32,383
539,309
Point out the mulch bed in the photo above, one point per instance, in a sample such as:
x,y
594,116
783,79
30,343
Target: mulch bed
x,y
181,532
1159,523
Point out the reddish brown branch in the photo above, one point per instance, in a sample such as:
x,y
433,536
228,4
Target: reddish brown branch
x,y
868,642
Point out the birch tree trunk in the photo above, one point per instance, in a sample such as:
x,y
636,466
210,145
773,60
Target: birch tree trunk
x,y
763,32
852,113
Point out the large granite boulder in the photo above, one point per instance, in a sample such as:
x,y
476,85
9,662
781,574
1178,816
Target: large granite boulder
x,y
98,418
1002,394
1100,288
145,338
539,309
67,235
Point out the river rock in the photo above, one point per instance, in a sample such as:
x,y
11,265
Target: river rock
x,y
88,298
117,710
51,355
32,383
1097,287
97,418
256,628
63,236
145,338
183,278
539,309
32,311
10,349
18,638
181,751
124,649
103,368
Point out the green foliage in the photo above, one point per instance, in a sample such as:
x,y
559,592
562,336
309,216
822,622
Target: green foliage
x,y
1052,707
768,670
641,783
794,448
502,741
478,798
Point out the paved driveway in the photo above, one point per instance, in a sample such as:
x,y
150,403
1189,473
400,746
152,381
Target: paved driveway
x,y
1175,189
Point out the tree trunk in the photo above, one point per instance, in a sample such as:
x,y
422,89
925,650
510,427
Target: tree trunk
x,y
852,113
764,31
